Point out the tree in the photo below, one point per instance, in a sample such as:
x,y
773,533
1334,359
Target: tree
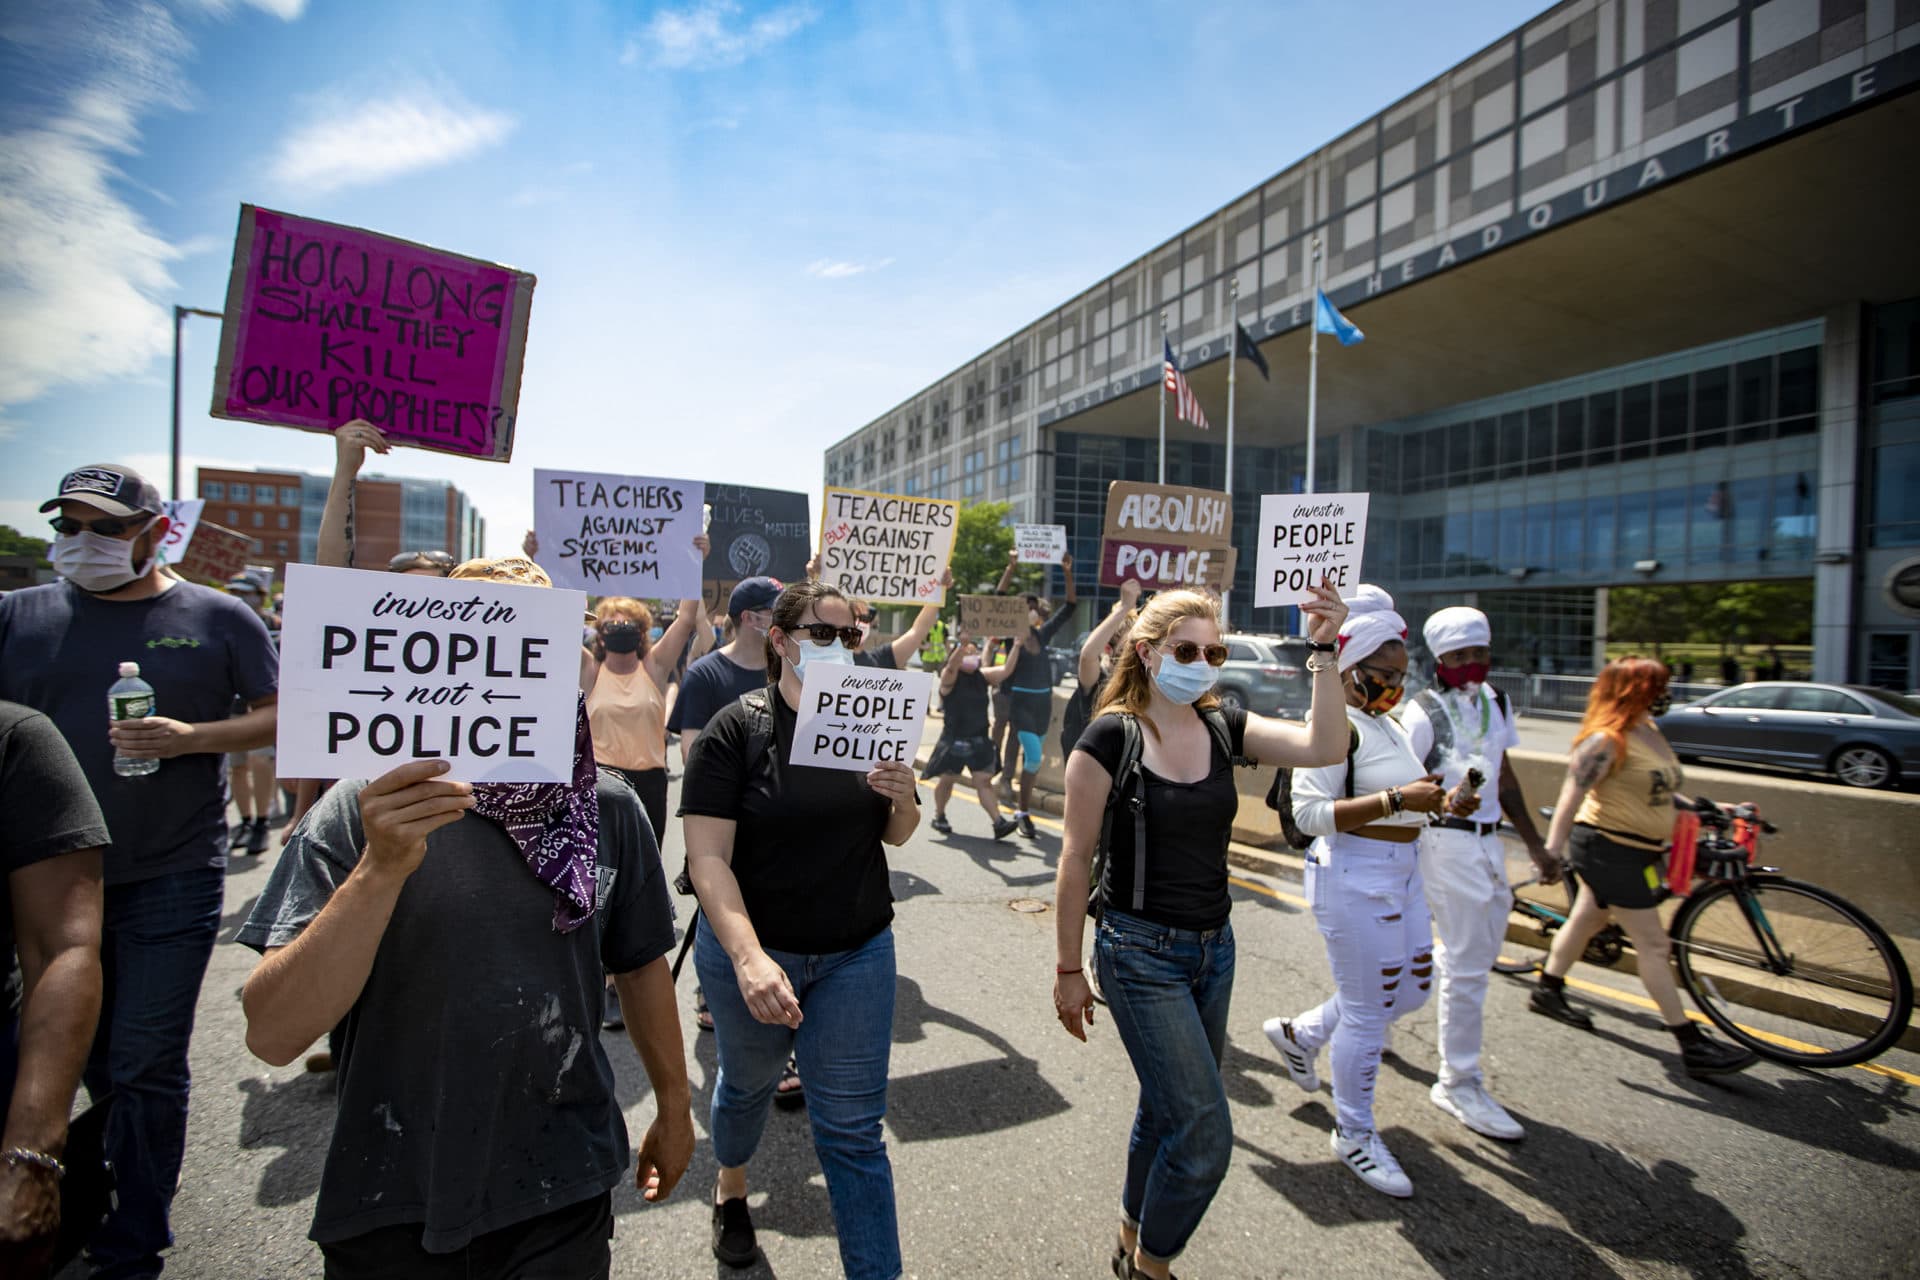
x,y
980,545
15,543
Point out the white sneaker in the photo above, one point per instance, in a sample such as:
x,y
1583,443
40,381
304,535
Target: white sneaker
x,y
1473,1107
1372,1163
1298,1061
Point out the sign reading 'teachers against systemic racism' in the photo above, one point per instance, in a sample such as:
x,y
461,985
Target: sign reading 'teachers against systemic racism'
x,y
885,548
379,669
619,535
1166,535
325,323
855,717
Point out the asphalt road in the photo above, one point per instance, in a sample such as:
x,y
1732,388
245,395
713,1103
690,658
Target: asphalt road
x,y
1007,1137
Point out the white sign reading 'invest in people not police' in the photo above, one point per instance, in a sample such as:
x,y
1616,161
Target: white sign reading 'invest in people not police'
x,y
855,717
1306,539
380,669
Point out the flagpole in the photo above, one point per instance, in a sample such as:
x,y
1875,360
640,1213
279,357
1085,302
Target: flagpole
x,y
1313,365
1163,397
1233,368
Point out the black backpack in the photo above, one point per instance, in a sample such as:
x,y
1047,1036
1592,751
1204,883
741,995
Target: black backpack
x,y
1443,725
1280,794
1129,792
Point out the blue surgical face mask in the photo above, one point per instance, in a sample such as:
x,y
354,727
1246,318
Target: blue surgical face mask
x,y
1185,682
831,654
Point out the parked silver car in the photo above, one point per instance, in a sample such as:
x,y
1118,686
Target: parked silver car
x,y
1266,674
1866,737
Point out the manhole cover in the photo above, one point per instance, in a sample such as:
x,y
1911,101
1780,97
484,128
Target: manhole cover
x,y
1028,906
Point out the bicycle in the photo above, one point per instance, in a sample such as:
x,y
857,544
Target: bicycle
x,y
1814,980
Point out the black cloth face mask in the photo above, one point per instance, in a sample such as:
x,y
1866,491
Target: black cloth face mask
x,y
621,639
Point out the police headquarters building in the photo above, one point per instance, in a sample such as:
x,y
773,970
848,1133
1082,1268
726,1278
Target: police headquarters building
x,y
1641,289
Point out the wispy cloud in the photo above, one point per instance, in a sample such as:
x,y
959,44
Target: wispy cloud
x,y
829,269
712,34
347,143
80,296
285,10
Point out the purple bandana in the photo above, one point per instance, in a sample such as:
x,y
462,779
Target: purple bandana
x,y
556,827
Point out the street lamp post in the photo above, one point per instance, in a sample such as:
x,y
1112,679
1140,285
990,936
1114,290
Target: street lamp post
x,y
180,315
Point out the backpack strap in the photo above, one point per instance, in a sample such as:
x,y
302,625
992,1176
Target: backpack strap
x,y
1442,725
759,721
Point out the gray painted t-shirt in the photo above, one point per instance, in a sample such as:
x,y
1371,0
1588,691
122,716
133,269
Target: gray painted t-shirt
x,y
473,1090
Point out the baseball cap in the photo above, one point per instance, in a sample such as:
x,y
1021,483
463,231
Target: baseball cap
x,y
116,490
247,585
754,593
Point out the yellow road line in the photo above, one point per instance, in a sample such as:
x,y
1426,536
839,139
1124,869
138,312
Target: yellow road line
x,y
1578,984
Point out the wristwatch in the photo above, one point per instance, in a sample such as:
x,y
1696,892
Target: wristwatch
x,y
1320,647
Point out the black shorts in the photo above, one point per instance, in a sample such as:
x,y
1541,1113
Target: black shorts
x,y
1616,873
959,755
571,1243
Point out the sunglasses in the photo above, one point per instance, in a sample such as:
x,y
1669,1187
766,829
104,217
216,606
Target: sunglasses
x,y
1392,679
420,560
825,633
110,527
1186,651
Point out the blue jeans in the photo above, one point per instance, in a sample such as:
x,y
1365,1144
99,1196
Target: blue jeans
x,y
156,939
1169,990
842,1046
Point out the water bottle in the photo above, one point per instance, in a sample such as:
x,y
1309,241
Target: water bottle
x,y
131,698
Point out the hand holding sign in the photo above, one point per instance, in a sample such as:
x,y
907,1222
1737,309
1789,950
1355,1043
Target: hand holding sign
x,y
1040,543
1325,612
400,809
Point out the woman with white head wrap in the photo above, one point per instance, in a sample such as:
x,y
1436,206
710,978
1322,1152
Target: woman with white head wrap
x,y
1363,881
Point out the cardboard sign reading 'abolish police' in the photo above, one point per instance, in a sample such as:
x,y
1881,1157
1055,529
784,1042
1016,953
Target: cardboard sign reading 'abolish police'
x,y
885,548
1306,539
619,535
855,717
1166,535
379,669
325,323
1040,543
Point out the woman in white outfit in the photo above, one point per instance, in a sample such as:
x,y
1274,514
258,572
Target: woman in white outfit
x,y
1363,881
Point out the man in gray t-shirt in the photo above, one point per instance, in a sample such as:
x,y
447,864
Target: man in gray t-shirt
x,y
477,1116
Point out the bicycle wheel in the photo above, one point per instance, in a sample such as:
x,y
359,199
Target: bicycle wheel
x,y
1795,973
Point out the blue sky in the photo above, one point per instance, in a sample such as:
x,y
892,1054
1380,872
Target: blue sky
x,y
756,225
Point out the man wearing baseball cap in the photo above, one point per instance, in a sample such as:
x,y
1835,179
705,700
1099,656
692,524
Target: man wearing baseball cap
x,y
736,667
61,647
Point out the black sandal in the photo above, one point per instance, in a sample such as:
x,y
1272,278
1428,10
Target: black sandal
x,y
794,1097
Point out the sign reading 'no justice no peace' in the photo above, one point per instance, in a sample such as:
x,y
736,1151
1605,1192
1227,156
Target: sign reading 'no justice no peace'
x,y
885,548
380,669
1167,535
326,323
619,535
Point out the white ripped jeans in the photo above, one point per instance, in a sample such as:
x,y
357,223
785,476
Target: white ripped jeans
x,y
1466,876
1371,908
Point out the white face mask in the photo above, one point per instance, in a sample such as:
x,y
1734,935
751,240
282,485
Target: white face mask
x,y
832,654
96,563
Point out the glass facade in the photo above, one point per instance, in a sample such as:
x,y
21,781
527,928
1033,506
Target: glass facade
x,y
1697,465
1893,428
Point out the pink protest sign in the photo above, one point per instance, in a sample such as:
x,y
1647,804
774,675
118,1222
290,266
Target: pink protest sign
x,y
327,323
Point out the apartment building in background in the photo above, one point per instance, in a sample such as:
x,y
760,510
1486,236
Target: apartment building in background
x,y
280,511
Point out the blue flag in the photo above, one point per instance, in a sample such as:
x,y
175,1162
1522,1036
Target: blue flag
x,y
1327,319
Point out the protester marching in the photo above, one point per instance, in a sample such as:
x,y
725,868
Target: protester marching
x,y
475,764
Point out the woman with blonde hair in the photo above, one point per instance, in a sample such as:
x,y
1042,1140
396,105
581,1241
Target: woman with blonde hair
x,y
1612,825
1163,943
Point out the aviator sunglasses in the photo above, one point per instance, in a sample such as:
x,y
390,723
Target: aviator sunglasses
x,y
1185,651
824,633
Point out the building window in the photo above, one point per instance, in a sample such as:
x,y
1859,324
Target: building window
x,y
289,496
280,547
284,524
938,476
263,494
242,492
213,491
1006,464
233,517
973,480
259,520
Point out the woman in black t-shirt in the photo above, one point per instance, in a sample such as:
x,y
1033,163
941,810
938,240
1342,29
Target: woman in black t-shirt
x,y
964,745
1166,965
794,945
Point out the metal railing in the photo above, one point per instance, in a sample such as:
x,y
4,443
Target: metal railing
x,y
1566,696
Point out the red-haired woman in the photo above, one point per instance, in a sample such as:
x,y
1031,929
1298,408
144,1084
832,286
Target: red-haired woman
x,y
1612,826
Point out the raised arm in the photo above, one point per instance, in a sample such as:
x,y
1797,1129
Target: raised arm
x,y
350,444
662,657
1006,574
1101,636
1323,739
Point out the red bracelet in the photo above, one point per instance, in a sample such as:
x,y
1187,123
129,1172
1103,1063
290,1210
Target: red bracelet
x,y
1058,970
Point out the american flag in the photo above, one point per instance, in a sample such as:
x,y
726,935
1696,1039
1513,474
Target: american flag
x,y
1186,404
